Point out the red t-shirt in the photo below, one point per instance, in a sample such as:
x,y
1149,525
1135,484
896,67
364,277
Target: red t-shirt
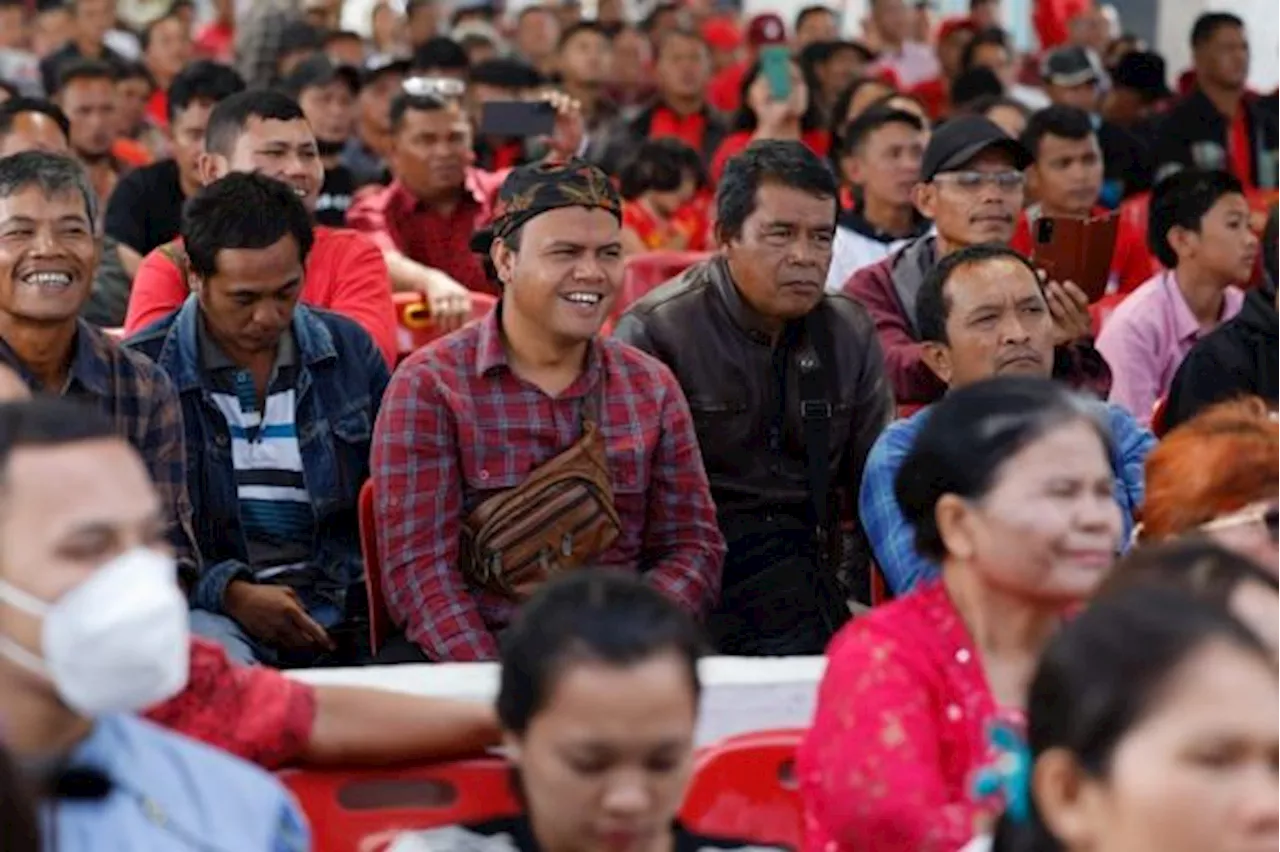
x,y
685,231
253,712
345,273
819,141
725,90
158,108
1240,148
934,97
690,129
1131,261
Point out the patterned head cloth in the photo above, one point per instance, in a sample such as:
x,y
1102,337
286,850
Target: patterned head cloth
x,y
537,188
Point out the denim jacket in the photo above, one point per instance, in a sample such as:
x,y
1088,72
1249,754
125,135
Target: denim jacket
x,y
341,379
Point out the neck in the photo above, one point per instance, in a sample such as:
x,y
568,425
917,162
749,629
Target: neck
x,y
944,247
1226,99
45,350
682,105
36,724
539,357
1001,625
163,80
190,185
1049,209
89,48
586,94
893,219
1203,293
370,136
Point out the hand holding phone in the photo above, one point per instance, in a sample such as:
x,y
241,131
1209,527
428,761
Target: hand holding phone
x,y
1076,249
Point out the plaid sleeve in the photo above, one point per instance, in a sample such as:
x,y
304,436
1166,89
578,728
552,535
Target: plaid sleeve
x,y
163,447
891,537
682,539
417,484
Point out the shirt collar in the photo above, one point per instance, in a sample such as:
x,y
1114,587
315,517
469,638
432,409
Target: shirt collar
x,y
404,201
1185,325
491,352
90,356
212,356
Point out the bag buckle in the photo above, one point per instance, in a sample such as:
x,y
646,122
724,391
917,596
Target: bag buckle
x,y
815,409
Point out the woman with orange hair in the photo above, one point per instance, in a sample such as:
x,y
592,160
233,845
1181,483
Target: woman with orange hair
x,y
1217,474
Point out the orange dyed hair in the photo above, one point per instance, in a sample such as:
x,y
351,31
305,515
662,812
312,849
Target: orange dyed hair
x,y
1223,459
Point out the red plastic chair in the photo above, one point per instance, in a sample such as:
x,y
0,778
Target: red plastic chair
x,y
745,787
646,272
379,618
413,317
362,810
1158,413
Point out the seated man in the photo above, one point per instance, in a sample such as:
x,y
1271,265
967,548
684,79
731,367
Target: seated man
x,y
48,216
971,186
1198,228
93,626
1065,180
278,402
728,328
265,131
982,313
530,389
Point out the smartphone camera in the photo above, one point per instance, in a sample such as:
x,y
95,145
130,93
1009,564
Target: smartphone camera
x,y
1044,231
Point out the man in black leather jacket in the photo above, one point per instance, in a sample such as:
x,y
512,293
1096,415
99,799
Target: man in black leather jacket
x,y
788,393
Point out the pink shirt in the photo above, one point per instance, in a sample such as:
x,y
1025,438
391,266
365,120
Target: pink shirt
x,y
1147,336
913,64
899,731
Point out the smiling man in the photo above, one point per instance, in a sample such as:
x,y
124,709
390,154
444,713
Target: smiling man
x,y
530,394
788,393
265,131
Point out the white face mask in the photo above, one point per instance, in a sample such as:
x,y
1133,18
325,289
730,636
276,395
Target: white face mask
x,y
118,642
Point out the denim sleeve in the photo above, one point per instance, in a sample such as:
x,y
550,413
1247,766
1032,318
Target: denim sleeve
x,y
212,586
1132,442
892,538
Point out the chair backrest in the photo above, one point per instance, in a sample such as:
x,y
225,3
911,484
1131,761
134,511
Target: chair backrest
x,y
379,618
1158,413
646,272
413,319
745,787
360,810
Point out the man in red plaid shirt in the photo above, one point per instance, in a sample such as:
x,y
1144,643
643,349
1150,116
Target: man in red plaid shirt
x,y
477,411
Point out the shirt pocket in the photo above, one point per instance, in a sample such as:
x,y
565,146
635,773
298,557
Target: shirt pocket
x,y
723,425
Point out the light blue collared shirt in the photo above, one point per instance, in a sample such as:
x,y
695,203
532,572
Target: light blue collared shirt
x,y
170,794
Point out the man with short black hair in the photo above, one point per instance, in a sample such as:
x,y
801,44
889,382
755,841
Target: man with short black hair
x,y
366,150
91,21
145,210
477,413
284,447
32,124
327,93
982,313
788,392
1066,180
879,156
583,66
1221,125
536,37
440,56
262,130
87,94
990,48
815,24
1139,90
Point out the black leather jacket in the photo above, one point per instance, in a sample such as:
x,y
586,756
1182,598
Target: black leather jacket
x,y
700,327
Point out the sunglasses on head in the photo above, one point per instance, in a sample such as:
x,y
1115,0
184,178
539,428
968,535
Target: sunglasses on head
x,y
1266,514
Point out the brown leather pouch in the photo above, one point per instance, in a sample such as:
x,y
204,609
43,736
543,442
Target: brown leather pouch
x,y
558,519
1077,250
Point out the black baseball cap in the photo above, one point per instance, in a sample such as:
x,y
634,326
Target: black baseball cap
x,y
1070,66
320,70
1143,72
383,63
959,140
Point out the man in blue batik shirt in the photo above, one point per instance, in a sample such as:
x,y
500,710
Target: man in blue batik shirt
x,y
93,627
982,313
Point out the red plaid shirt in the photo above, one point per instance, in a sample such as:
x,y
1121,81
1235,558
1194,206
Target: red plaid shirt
x,y
457,425
255,713
396,219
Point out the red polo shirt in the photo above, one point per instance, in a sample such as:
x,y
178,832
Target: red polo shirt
x,y
1240,148
345,273
690,129
1131,262
395,219
725,90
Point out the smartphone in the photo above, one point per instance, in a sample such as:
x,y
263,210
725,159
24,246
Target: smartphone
x,y
1077,250
517,119
775,65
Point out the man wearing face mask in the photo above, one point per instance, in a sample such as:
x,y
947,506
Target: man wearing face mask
x,y
93,627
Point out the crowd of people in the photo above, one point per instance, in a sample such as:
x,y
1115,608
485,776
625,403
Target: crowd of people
x,y
219,460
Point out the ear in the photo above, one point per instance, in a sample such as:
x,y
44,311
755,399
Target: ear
x,y
925,198
210,167
937,357
1067,799
852,168
504,261
953,516
195,283
1183,241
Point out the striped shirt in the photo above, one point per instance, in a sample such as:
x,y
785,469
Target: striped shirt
x,y
274,504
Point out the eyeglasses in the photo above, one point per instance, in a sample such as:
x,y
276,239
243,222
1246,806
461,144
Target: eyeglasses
x,y
1267,514
972,181
445,88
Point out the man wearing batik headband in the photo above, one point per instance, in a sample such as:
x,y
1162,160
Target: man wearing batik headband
x,y
475,413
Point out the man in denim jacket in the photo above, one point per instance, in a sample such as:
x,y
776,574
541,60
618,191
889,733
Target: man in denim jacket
x,y
278,402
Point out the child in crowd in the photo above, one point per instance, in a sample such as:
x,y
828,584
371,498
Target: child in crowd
x,y
664,199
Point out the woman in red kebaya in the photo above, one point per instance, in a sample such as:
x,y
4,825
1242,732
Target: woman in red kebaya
x,y
660,188
1009,488
761,117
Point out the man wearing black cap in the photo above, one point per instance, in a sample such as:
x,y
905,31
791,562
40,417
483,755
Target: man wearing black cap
x,y
327,93
474,415
366,150
971,186
788,392
1073,78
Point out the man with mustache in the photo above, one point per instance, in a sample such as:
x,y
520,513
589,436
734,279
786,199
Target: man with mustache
x,y
971,186
788,392
982,312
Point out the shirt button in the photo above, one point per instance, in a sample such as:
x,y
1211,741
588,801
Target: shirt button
x,y
963,656
484,474
954,713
